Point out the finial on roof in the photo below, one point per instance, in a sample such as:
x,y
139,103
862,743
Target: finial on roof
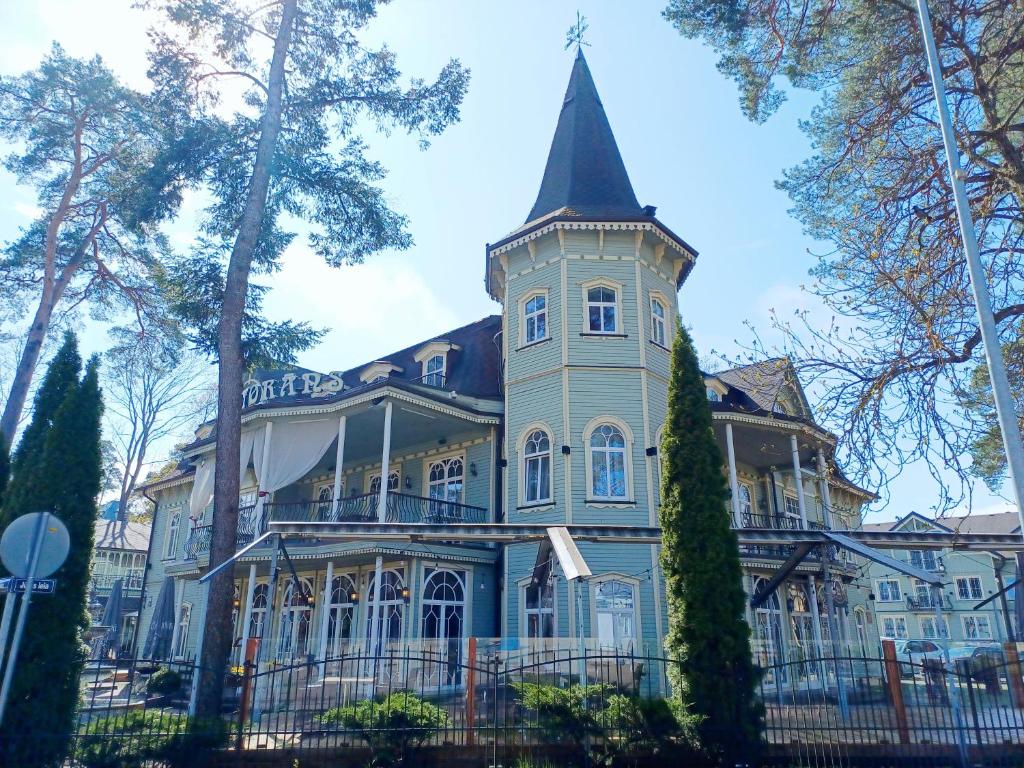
x,y
575,34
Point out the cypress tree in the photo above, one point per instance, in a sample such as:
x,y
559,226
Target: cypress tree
x,y
707,632
57,467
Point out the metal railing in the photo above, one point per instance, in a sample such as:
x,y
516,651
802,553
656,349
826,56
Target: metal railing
x,y
131,580
362,508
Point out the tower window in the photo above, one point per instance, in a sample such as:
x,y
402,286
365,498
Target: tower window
x,y
602,310
607,447
535,319
537,467
658,335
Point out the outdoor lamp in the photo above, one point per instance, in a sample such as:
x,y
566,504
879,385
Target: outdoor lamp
x,y
310,600
236,603
472,468
408,483
353,597
405,594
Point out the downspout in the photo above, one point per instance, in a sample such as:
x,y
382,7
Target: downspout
x,y
145,571
1000,563
499,486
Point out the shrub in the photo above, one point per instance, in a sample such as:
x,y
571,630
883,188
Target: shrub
x,y
128,739
393,727
163,682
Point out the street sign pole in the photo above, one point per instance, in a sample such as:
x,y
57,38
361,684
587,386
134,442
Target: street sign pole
x,y
5,626
19,629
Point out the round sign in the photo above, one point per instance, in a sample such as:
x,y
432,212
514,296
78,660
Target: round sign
x,y
16,545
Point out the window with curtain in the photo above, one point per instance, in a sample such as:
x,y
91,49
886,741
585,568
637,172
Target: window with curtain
x,y
602,310
535,319
607,448
537,467
615,605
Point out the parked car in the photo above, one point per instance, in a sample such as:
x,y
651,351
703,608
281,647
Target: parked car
x,y
975,660
913,653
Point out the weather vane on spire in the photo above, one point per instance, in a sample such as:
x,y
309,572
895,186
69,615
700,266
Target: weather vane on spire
x,y
575,34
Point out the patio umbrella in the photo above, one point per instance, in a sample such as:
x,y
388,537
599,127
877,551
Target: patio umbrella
x,y
112,617
161,626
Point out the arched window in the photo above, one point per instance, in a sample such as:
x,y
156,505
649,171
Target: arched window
x,y
658,335
173,526
444,604
393,481
537,467
390,609
607,448
540,609
713,395
602,310
615,604
184,620
342,614
260,598
768,631
296,619
325,499
445,485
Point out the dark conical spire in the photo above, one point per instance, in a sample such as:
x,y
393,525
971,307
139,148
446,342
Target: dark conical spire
x,y
585,172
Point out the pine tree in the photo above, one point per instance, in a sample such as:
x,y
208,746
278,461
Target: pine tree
x,y
57,467
5,469
700,556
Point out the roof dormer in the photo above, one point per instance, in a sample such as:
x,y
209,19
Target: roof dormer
x,y
715,389
378,370
433,359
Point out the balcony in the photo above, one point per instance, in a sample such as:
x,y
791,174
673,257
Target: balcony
x,y
129,580
401,508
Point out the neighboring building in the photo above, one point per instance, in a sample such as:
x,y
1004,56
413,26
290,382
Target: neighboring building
x,y
550,412
904,607
119,553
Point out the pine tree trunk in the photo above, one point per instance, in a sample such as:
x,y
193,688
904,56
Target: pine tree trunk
x,y
26,368
217,634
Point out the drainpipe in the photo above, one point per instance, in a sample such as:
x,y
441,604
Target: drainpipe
x,y
1007,620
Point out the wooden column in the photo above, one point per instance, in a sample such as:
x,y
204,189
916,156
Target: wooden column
x,y
895,685
734,486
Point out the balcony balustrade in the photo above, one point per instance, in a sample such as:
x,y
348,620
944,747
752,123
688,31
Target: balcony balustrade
x,y
400,508
105,581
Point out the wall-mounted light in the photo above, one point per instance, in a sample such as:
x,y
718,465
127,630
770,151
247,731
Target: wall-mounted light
x,y
405,594
408,483
472,468
310,600
652,451
502,463
236,604
566,450
353,596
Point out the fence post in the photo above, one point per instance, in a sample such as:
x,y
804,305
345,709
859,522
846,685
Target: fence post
x,y
1013,674
893,680
471,691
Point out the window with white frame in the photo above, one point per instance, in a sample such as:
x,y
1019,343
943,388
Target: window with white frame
x,y
537,467
932,629
968,588
888,591
658,313
924,559
607,451
615,606
792,507
258,615
539,609
746,501
394,479
976,626
535,319
433,371
444,479
184,619
296,620
713,396
602,310
341,613
173,527
893,627
325,499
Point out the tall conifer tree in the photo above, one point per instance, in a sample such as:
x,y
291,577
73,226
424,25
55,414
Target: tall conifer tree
x,y
700,556
57,467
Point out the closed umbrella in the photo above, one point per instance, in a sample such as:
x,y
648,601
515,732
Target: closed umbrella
x,y
112,617
161,626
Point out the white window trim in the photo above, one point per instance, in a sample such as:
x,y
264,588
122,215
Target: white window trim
x,y
169,552
894,617
444,457
520,453
975,616
967,577
371,476
603,282
633,582
669,325
442,372
179,639
376,369
878,591
523,300
630,497
522,585
432,348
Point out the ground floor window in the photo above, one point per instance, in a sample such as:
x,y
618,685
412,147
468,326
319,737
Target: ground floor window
x,y
540,609
341,613
390,609
893,627
615,605
296,620
184,619
443,604
976,627
258,615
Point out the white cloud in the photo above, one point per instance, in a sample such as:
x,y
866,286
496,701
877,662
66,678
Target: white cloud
x,y
27,210
372,309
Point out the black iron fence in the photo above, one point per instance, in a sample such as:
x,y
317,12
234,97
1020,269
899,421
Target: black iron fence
x,y
507,701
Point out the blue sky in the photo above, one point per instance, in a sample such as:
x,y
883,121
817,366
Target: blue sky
x,y
687,148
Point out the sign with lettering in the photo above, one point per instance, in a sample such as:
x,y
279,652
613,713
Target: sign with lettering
x,y
19,586
310,384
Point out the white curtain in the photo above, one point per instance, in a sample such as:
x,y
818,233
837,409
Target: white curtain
x,y
202,488
295,448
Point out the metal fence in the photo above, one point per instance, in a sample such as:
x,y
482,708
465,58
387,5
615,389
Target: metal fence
x,y
508,701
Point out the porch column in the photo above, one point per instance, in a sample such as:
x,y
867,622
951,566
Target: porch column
x,y
325,604
375,615
826,498
733,483
799,478
385,462
816,618
250,590
264,468
339,460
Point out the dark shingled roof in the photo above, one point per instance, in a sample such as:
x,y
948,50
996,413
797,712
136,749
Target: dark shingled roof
x,y
585,173
121,534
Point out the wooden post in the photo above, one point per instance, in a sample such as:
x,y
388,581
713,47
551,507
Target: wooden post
x,y
248,667
893,680
471,691
1013,674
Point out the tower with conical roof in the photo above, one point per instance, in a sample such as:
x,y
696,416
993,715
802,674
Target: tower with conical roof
x,y
588,284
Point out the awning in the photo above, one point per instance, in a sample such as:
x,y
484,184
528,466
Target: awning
x,y
161,626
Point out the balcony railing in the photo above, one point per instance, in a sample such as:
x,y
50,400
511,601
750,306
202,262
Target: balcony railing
x,y
780,523
104,581
401,508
